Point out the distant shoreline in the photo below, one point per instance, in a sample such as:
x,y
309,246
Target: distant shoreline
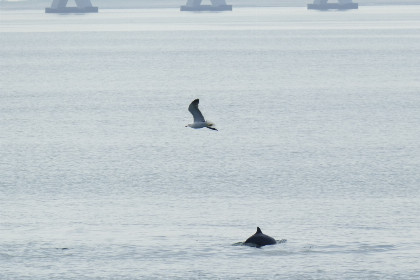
x,y
2,8
134,4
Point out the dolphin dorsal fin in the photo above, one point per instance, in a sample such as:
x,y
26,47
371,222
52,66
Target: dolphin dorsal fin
x,y
258,230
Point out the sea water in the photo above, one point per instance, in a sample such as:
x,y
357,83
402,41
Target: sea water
x,y
318,143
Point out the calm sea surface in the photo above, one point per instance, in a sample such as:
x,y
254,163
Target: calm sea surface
x,y
318,143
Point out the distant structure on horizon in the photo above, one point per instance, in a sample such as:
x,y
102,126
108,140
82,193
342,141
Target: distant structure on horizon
x,y
340,5
216,5
82,6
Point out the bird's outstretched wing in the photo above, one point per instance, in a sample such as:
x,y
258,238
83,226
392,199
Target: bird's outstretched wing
x,y
193,108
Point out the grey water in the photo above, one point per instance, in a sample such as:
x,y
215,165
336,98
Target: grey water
x,y
318,143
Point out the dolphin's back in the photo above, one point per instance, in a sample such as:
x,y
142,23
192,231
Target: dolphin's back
x,y
260,239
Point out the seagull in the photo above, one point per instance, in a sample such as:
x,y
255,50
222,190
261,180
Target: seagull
x,y
199,121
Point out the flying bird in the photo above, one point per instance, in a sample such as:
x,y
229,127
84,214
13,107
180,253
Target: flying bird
x,y
199,121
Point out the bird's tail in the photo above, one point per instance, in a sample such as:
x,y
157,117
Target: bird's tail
x,y
210,125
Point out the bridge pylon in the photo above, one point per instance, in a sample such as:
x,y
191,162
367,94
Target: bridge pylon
x,y
340,5
82,6
216,5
